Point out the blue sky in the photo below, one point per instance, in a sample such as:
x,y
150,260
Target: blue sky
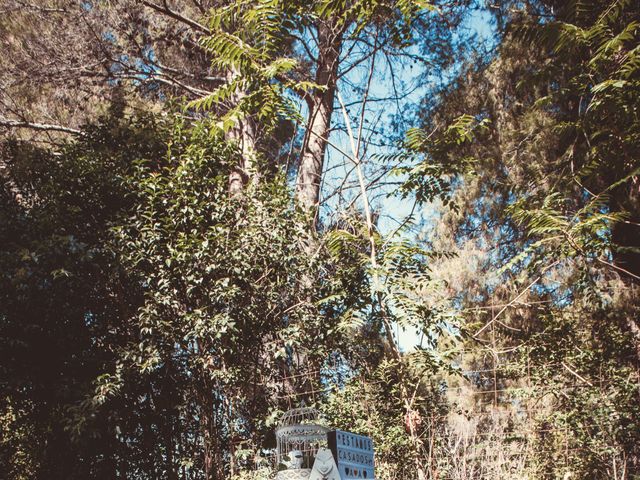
x,y
390,119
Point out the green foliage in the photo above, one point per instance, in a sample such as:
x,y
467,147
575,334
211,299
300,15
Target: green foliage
x,y
57,306
545,198
224,305
597,138
373,405
218,271
397,279
595,421
431,178
163,311
254,42
248,39
380,395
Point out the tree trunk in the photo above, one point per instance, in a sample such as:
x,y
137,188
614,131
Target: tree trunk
x,y
243,134
320,110
627,236
206,424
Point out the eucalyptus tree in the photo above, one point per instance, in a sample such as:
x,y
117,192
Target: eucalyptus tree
x,y
281,52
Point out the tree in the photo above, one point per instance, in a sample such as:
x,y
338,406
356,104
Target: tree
x,y
533,151
318,41
59,305
64,60
222,300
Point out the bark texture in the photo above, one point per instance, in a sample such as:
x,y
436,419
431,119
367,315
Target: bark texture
x,y
243,135
321,107
626,235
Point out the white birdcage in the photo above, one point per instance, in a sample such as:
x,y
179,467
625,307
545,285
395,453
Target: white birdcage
x,y
299,435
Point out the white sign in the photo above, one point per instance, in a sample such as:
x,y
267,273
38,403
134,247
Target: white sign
x,y
353,454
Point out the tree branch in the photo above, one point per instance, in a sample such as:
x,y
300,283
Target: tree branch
x,y
41,8
173,14
517,297
38,126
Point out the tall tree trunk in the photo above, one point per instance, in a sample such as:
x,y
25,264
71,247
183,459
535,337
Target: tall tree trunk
x,y
627,236
320,110
314,146
243,134
206,427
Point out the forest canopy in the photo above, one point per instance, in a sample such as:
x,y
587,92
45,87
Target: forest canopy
x,y
420,218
